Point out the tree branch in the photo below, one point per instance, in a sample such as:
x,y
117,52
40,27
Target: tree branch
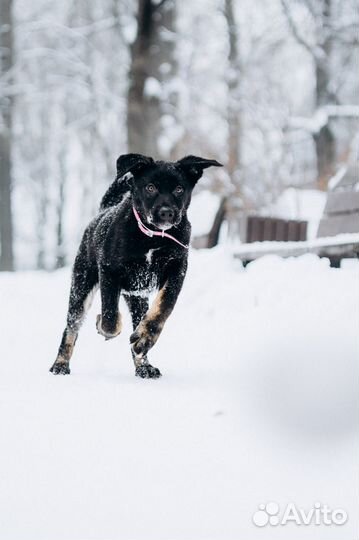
x,y
159,5
316,52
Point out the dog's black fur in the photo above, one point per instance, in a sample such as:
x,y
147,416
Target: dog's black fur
x,y
116,256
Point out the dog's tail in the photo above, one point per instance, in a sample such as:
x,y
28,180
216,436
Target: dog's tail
x,y
116,191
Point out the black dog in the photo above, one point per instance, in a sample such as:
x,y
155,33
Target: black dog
x,y
124,251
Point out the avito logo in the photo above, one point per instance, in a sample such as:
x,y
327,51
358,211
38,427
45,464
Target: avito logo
x,y
319,514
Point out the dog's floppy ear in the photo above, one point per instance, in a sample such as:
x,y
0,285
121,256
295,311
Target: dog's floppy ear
x,y
132,163
128,165
193,166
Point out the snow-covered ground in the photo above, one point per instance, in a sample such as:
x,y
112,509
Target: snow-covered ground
x,y
258,402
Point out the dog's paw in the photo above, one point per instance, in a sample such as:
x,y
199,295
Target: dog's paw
x,y
146,371
141,343
144,338
109,329
60,368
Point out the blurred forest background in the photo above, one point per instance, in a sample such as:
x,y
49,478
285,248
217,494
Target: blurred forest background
x,y
269,88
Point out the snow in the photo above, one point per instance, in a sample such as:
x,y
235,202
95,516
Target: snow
x,y
314,124
258,402
343,239
202,211
303,204
152,88
321,117
351,111
339,175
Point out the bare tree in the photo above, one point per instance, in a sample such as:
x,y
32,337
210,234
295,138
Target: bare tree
x,y
230,202
6,103
321,50
152,64
233,105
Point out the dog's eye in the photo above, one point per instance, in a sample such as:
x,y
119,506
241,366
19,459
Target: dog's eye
x,y
179,190
150,188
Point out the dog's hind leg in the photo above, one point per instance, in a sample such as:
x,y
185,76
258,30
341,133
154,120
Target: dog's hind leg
x,y
138,307
83,288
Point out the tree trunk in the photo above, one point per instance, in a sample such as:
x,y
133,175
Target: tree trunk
x,y
42,209
325,151
6,101
231,206
324,139
152,64
233,107
60,244
213,235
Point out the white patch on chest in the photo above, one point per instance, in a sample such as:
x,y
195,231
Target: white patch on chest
x,y
145,281
149,255
142,293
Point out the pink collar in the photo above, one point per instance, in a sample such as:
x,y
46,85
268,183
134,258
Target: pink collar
x,y
150,233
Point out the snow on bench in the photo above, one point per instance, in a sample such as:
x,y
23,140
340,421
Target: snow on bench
x,y
335,248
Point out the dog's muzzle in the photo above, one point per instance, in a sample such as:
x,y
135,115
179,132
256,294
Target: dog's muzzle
x,y
164,218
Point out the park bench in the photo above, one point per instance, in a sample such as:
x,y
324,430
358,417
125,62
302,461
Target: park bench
x,y
338,232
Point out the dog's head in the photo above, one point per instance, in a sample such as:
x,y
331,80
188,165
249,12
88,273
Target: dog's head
x,y
161,191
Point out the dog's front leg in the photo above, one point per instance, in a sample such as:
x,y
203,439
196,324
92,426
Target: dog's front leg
x,y
109,323
150,328
138,308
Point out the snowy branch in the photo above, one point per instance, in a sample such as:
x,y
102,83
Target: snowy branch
x,y
321,117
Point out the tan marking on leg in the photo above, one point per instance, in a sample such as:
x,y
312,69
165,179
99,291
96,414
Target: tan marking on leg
x,y
153,314
64,357
155,310
144,333
138,360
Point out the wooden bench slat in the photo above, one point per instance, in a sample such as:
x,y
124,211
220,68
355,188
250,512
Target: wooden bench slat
x,y
338,224
350,178
268,229
342,201
303,228
280,231
261,229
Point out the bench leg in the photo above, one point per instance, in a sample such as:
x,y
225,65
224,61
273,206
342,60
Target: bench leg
x,y
335,262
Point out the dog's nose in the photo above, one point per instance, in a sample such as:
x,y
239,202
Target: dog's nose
x,y
166,214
